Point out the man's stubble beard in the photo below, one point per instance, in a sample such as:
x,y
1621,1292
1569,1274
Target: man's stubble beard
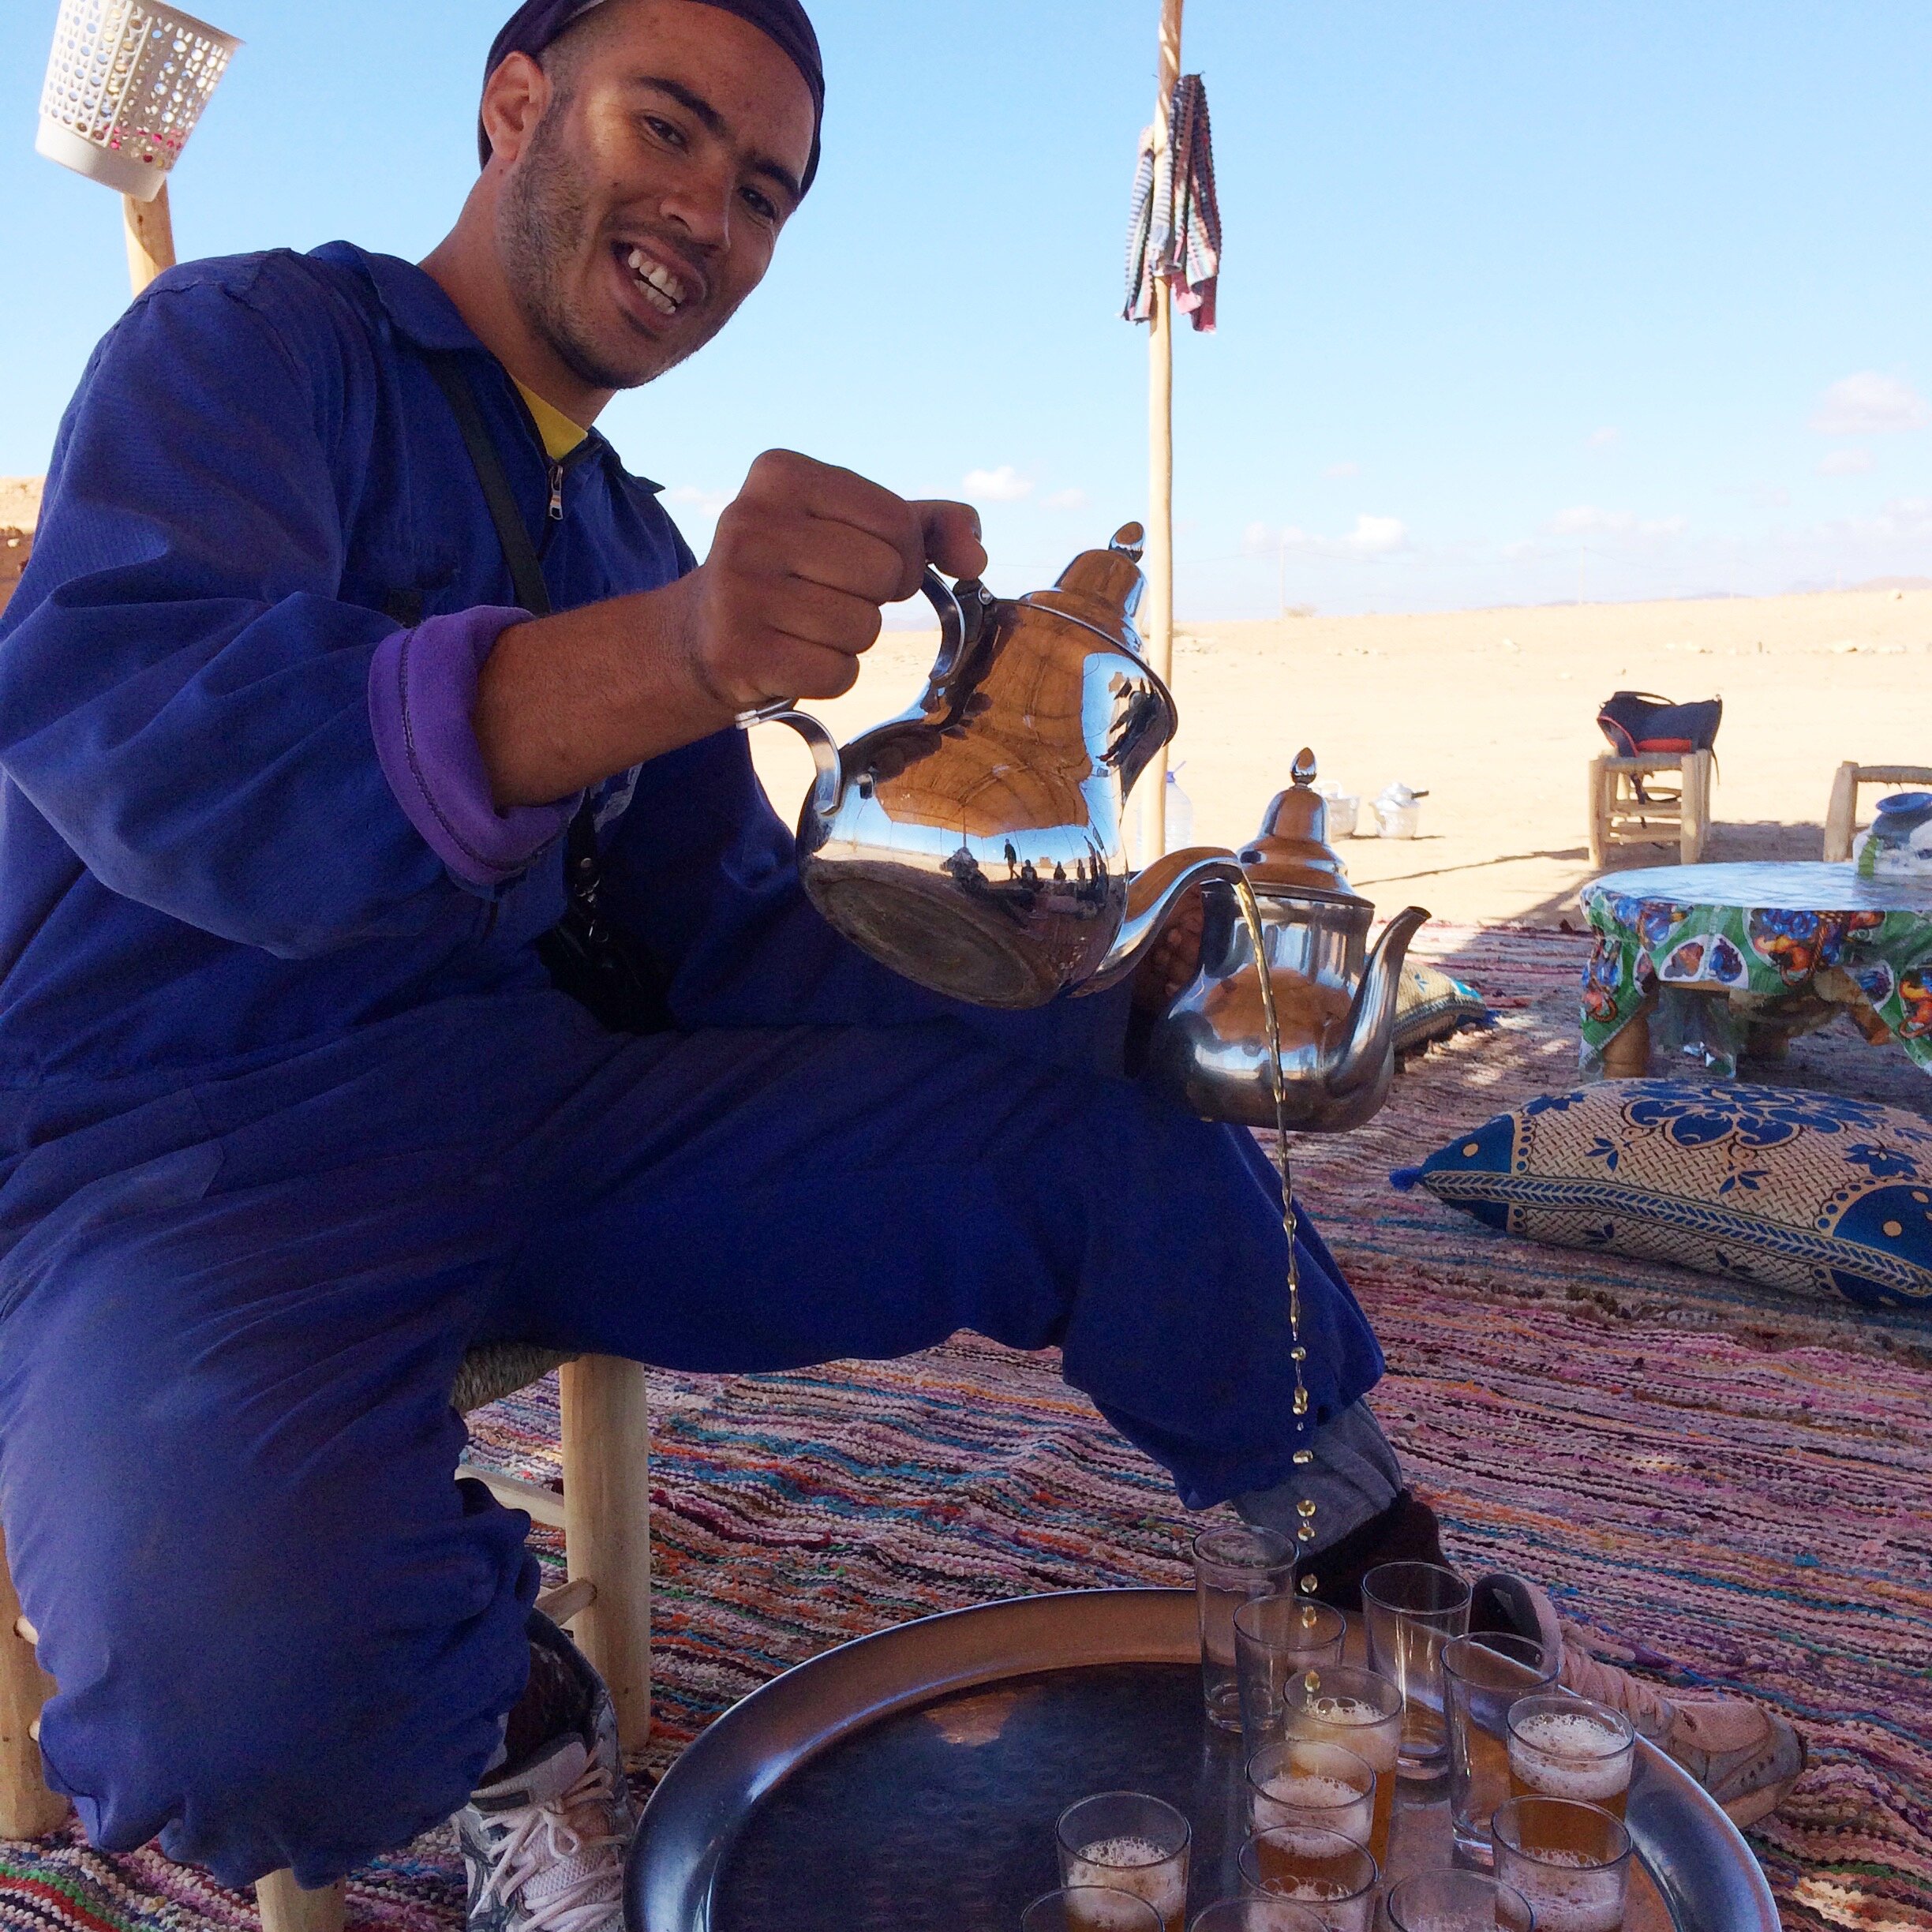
x,y
545,223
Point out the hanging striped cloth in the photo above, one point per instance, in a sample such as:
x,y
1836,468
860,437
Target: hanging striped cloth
x,y
1175,235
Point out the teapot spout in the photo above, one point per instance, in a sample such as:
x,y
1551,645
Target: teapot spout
x,y
1368,1048
1153,894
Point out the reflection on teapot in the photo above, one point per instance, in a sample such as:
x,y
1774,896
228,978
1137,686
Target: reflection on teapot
x,y
1335,1003
976,843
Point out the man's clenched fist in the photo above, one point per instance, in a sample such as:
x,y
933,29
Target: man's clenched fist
x,y
784,607
803,560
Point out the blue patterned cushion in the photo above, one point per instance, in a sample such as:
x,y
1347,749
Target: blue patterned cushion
x,y
1430,1005
1806,1191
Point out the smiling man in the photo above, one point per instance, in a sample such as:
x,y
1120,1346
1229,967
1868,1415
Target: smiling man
x,y
356,709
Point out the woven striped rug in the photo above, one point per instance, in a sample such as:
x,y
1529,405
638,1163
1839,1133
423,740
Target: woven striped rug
x,y
1743,1489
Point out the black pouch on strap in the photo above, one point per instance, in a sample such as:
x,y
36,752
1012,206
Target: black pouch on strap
x,y
1640,721
585,956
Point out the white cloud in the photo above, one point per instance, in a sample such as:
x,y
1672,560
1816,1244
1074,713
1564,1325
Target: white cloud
x,y
1342,470
1004,485
1376,536
1586,520
1066,499
1602,439
706,502
1844,463
1372,536
1868,404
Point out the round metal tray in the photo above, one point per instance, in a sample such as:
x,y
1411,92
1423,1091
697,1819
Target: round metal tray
x,y
911,1779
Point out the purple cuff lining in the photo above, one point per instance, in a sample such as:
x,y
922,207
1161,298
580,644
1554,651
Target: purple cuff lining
x,y
421,690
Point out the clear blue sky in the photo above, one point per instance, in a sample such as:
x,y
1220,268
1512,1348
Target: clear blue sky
x,y
1510,290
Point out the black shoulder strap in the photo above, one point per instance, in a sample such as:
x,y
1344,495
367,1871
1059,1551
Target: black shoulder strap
x,y
518,552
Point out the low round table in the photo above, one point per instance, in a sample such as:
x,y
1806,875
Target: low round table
x,y
1732,957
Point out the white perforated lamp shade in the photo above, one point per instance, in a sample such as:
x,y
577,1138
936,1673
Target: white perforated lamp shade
x,y
126,84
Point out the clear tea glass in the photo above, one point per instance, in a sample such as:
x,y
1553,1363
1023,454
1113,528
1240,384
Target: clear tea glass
x,y
1570,1861
1089,1908
1482,1677
1562,1746
1457,1901
1257,1914
1276,1638
1303,1781
1126,1841
1232,1563
1361,1711
1335,1875
1412,1610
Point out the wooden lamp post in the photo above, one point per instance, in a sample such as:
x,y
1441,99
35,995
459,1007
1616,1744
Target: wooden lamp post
x,y
1159,558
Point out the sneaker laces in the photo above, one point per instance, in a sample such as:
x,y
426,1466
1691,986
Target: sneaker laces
x,y
1646,1707
541,1840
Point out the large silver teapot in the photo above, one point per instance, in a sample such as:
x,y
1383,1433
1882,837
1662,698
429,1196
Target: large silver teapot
x,y
975,844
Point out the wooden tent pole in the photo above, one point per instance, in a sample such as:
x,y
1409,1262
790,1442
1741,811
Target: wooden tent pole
x,y
1160,458
150,237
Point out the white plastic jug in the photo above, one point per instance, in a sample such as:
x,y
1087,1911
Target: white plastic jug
x,y
1180,815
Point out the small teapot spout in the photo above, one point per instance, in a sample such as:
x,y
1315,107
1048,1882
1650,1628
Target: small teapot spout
x,y
1152,896
1366,1058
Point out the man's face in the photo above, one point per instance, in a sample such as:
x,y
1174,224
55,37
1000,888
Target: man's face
x,y
644,205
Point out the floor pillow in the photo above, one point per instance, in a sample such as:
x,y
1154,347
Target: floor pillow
x,y
1814,1192
1430,1005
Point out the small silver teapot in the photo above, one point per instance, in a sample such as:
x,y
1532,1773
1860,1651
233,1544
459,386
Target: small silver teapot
x,y
975,844
1334,1001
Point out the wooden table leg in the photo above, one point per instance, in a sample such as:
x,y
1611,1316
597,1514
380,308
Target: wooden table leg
x,y
1626,1052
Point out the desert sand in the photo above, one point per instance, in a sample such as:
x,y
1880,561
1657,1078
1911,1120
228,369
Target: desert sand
x,y
1493,712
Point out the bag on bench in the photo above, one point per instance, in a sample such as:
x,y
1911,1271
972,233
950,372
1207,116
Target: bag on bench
x,y
1636,722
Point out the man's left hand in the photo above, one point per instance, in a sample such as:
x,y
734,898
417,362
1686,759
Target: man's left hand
x,y
1175,959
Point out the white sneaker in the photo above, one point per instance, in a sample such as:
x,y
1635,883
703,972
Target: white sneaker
x,y
544,1844
1745,1756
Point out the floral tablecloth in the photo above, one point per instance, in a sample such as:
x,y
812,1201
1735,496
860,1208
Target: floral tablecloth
x,y
1712,949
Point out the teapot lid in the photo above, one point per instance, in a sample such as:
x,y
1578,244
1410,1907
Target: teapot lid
x,y
1101,589
1291,851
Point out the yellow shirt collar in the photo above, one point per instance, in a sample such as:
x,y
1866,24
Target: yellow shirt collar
x,y
560,436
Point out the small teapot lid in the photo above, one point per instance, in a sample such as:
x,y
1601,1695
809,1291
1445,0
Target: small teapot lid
x,y
1291,851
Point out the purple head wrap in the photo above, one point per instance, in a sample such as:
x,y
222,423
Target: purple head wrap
x,y
537,23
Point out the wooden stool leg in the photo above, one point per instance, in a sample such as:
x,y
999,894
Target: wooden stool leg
x,y
1693,831
1600,781
1841,815
27,1809
286,1907
1626,1052
606,1527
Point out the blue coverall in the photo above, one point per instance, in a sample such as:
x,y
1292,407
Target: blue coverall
x,y
290,1117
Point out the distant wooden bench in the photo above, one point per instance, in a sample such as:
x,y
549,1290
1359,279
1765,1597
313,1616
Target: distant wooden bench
x,y
1841,815
1624,810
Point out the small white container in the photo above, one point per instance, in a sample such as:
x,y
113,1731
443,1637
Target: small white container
x,y
1399,812
126,84
1344,810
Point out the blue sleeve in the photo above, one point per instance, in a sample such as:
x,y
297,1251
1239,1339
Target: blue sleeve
x,y
182,696
701,873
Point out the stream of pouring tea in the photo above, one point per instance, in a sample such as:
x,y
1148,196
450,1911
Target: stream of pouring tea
x,y
1304,1507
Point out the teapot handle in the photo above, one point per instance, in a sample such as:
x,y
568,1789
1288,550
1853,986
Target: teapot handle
x,y
952,641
